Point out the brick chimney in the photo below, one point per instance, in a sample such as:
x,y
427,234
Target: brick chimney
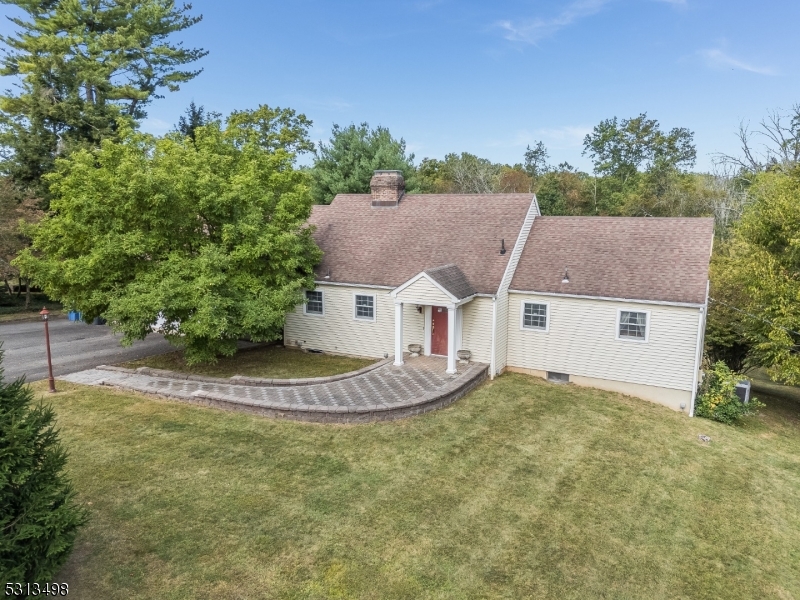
x,y
387,188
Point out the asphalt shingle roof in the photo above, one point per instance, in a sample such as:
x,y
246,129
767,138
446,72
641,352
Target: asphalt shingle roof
x,y
452,279
389,246
662,259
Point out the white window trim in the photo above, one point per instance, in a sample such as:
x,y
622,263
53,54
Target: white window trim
x,y
305,304
522,316
646,326
374,308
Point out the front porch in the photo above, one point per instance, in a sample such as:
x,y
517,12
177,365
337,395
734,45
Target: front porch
x,y
439,293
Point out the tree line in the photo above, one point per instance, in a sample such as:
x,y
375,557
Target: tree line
x,y
638,170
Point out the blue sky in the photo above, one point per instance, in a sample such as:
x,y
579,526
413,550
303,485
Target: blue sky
x,y
491,77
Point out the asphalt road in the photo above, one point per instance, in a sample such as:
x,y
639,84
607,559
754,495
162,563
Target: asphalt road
x,y
75,346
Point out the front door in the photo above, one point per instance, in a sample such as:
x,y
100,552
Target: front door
x,y
439,330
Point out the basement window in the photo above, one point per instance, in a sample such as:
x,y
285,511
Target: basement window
x,y
557,377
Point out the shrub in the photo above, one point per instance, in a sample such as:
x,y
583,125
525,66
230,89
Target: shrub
x,y
38,515
717,397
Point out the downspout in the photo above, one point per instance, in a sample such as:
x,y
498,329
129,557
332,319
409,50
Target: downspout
x,y
699,350
494,336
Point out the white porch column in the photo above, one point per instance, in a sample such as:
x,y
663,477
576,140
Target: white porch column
x,y
398,334
451,340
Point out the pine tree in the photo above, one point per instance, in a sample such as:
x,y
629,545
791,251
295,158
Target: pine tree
x,y
194,117
38,515
81,67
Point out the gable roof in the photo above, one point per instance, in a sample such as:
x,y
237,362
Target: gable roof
x,y
453,280
389,246
638,258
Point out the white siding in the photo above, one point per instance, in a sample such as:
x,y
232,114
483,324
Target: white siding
x,y
582,341
476,331
337,331
423,291
413,327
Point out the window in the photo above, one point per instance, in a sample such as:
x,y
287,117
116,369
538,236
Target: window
x,y
314,303
632,325
534,316
365,307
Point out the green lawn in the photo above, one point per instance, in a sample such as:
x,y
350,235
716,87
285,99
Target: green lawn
x,y
271,362
523,489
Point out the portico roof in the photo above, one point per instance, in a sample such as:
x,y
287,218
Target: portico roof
x,y
452,279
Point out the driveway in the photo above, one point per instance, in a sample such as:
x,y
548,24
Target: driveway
x,y
75,347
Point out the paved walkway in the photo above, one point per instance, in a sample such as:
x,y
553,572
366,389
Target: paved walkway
x,y
387,392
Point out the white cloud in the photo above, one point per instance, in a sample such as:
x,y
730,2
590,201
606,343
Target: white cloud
x,y
532,30
718,59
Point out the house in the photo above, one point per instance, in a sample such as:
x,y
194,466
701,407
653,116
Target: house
x,y
613,303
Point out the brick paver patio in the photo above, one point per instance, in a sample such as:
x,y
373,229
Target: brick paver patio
x,y
387,392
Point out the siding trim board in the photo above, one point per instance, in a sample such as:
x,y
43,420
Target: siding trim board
x,y
500,302
701,339
608,298
355,285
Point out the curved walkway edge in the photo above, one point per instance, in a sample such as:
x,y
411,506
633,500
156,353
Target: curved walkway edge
x,y
243,380
386,392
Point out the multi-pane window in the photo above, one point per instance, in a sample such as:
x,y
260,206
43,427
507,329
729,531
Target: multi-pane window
x,y
314,302
632,325
365,307
534,316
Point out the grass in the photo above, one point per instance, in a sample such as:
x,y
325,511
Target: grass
x,y
271,362
521,489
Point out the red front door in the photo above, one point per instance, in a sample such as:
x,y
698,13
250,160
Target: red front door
x,y
439,331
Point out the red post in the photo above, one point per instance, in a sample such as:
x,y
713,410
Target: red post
x,y
45,313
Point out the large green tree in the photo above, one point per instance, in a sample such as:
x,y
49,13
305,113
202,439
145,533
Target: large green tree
x,y
758,287
81,67
638,164
208,233
347,162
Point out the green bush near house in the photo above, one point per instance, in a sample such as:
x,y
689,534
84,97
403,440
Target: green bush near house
x,y
717,399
